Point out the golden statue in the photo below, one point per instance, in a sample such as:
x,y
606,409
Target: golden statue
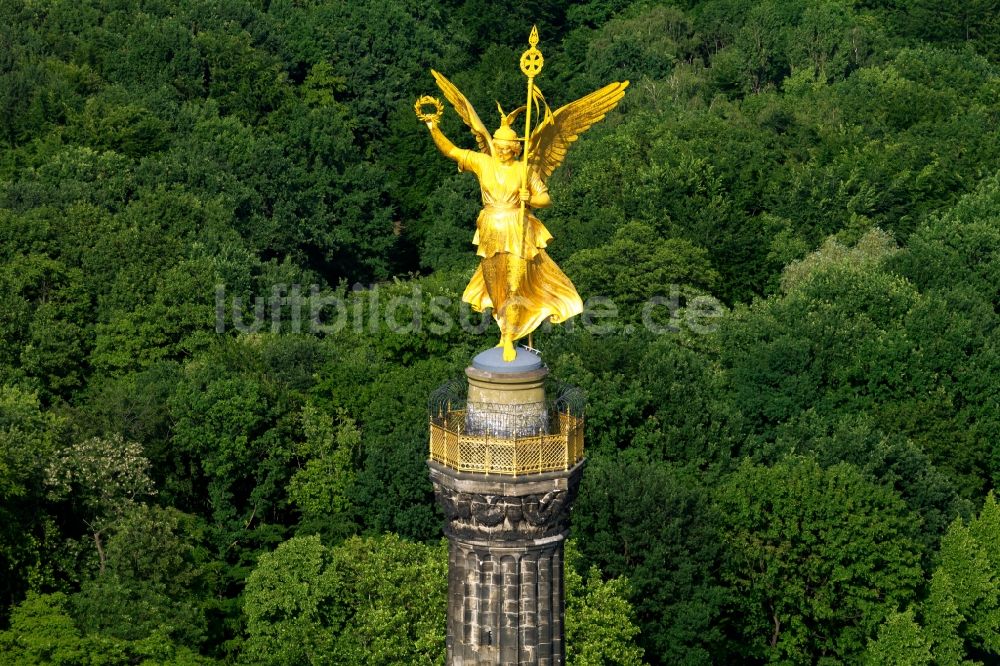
x,y
516,277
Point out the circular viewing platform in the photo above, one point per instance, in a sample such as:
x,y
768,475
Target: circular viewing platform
x,y
452,445
503,419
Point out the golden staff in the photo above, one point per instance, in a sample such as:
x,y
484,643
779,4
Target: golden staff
x,y
531,65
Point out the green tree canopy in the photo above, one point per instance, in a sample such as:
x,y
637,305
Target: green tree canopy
x,y
815,558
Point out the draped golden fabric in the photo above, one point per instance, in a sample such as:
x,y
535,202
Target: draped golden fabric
x,y
516,276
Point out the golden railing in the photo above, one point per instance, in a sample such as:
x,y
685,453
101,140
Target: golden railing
x,y
454,447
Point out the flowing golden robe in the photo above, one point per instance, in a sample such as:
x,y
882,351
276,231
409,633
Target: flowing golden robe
x,y
516,277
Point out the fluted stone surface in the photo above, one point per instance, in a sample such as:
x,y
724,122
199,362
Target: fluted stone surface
x,y
505,573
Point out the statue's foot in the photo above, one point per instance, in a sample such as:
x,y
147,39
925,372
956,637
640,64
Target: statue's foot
x,y
509,353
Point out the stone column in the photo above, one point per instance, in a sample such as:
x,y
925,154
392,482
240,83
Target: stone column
x,y
506,530
505,564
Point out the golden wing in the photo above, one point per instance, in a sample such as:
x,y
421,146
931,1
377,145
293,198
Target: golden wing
x,y
552,137
465,110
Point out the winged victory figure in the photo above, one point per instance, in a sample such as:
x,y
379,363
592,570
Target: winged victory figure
x,y
515,276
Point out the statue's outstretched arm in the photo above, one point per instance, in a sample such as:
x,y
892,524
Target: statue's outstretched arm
x,y
446,147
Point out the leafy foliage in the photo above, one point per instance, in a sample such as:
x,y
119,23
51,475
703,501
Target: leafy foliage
x,y
371,601
959,612
599,626
809,551
230,275
383,600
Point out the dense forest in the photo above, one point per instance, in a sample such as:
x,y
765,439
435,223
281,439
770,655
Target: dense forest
x,y
193,471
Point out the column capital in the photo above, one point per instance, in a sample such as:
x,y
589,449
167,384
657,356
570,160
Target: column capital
x,y
519,511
